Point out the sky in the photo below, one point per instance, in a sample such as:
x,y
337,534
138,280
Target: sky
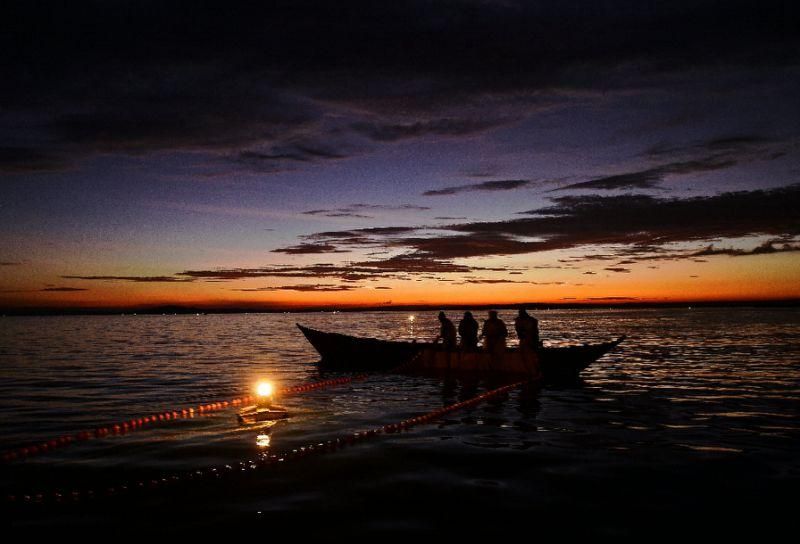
x,y
296,154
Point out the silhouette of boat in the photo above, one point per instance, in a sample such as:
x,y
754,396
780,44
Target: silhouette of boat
x,y
344,352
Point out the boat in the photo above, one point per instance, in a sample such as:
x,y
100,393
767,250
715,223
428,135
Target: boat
x,y
344,352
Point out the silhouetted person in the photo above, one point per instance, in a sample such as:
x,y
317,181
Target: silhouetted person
x,y
494,334
447,332
468,331
527,328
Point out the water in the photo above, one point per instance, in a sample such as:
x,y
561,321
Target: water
x,y
696,411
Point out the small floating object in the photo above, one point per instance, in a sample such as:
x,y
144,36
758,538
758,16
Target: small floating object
x,y
264,410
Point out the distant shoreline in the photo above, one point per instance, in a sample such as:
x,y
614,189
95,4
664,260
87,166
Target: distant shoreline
x,y
186,310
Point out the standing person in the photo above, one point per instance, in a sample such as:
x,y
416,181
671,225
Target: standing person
x,y
447,332
527,328
468,331
494,334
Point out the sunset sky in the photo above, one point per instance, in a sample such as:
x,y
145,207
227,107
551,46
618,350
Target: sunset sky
x,y
381,153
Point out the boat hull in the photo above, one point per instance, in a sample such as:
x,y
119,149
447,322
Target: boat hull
x,y
343,352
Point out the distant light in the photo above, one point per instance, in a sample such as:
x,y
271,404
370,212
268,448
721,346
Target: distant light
x,y
264,389
263,440
411,318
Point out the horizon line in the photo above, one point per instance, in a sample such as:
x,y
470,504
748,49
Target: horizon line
x,y
613,303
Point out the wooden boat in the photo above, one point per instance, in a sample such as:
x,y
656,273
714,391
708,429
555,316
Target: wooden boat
x,y
343,352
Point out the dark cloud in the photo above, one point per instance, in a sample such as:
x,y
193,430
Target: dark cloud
x,y
388,132
388,207
365,232
639,253
310,249
496,185
646,220
652,177
640,227
19,160
353,210
491,281
396,267
318,287
63,289
253,83
740,143
335,241
9,263
348,214
764,249
641,222
135,279
645,179
276,159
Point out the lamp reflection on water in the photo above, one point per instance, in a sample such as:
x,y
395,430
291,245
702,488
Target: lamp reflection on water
x,y
264,436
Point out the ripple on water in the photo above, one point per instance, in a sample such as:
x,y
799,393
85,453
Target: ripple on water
x,y
686,388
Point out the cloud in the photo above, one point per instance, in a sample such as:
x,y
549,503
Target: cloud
x,y
642,222
319,287
354,210
280,157
389,132
636,227
764,249
273,86
737,143
19,160
641,253
652,177
336,241
135,279
63,289
495,185
611,299
310,249
639,227
395,267
647,220
10,263
491,281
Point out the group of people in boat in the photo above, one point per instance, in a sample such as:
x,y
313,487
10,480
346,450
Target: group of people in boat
x,y
494,332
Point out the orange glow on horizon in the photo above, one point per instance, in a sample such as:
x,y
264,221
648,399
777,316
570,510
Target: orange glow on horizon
x,y
763,277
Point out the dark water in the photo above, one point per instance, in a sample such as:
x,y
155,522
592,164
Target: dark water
x,y
697,412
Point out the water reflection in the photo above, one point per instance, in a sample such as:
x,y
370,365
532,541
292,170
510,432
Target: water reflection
x,y
685,385
264,436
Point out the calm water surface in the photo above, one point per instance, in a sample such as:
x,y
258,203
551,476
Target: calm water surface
x,y
697,409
